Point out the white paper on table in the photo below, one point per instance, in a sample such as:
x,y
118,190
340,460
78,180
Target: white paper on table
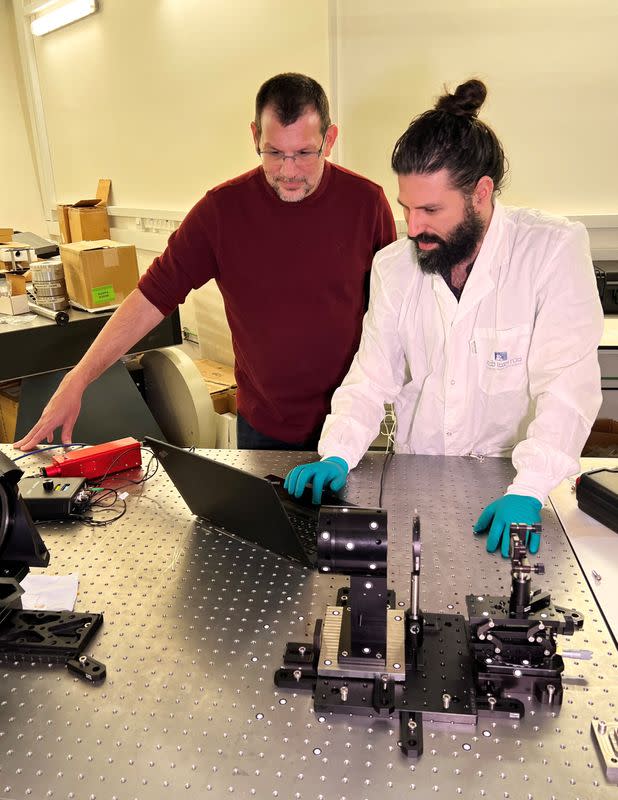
x,y
50,592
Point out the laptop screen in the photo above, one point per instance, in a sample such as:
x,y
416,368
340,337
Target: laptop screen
x,y
231,499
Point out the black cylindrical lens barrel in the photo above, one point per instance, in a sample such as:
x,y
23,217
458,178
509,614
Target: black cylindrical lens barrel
x,y
352,540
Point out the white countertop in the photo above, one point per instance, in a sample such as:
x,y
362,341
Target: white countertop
x,y
595,545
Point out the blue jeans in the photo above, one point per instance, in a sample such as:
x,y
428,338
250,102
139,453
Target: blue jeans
x,y
250,439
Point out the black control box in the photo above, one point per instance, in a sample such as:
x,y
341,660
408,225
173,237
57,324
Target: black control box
x,y
53,498
597,495
606,273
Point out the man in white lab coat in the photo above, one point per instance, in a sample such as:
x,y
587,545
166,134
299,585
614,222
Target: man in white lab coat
x,y
482,328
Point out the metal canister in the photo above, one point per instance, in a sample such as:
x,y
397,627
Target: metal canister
x,y
49,285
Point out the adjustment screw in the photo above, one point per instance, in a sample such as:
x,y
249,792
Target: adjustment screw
x,y
297,674
602,727
343,692
446,700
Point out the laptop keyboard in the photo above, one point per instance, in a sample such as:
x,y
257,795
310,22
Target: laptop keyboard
x,y
306,529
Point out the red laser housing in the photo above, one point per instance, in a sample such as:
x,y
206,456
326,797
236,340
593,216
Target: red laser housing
x,y
97,461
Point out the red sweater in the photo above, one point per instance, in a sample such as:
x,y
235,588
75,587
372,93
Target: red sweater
x,y
292,276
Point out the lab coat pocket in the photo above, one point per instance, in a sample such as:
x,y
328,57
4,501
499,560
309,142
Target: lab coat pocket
x,y
502,358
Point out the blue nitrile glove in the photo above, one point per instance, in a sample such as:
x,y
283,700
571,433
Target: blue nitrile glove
x,y
331,472
499,515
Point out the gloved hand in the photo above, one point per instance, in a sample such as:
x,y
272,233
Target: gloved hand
x,y
331,472
499,515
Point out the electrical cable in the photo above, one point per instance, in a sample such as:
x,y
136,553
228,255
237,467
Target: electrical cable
x,y
51,447
145,477
100,523
387,459
100,506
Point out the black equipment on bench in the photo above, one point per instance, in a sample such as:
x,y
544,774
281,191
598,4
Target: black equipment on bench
x,y
51,636
369,656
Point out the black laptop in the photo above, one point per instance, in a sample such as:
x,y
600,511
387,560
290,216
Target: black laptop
x,y
256,509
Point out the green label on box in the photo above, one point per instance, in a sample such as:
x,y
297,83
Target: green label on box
x,y
103,295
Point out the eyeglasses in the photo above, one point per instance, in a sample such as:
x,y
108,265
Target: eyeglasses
x,y
303,157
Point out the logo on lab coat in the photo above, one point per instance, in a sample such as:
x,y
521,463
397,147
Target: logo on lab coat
x,y
502,360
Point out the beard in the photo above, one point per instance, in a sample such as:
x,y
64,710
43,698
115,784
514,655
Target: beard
x,y
458,247
278,185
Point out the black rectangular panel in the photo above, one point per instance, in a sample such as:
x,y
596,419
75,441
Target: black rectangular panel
x,y
42,346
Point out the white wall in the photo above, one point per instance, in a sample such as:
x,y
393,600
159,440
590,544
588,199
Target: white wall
x,y
20,199
158,97
552,73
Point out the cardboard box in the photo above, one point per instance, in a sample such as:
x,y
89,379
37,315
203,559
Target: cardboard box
x,y
16,282
13,297
224,401
221,384
9,405
63,224
88,222
216,373
100,274
14,305
603,440
86,219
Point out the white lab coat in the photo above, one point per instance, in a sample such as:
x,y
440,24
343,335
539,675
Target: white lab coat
x,y
510,369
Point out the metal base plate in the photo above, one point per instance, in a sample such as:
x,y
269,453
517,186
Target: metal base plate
x,y
606,739
391,664
440,684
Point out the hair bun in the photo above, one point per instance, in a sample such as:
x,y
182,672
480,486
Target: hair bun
x,y
466,101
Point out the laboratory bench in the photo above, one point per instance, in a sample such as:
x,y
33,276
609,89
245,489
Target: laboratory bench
x,y
40,353
196,622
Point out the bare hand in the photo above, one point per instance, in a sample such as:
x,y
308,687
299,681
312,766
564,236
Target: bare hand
x,y
62,410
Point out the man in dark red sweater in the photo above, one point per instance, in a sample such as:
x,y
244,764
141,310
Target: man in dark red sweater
x,y
290,245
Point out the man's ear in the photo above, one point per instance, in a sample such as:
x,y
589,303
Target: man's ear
x,y
330,139
483,192
256,135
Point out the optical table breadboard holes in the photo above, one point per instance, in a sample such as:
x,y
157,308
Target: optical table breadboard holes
x,y
195,626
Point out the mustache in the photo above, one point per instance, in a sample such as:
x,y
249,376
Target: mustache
x,y
426,238
299,179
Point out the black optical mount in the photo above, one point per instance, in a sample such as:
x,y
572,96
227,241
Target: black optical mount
x,y
371,657
513,640
46,636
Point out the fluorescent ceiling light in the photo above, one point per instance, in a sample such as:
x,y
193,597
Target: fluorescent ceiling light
x,y
62,16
